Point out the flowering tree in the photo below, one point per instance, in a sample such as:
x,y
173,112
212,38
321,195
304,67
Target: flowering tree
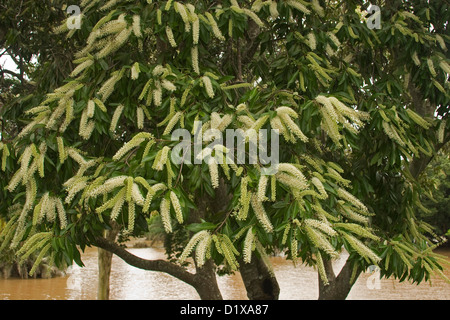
x,y
356,119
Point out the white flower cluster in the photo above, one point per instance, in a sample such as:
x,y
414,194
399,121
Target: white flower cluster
x,y
262,186
135,70
201,240
319,240
137,26
129,193
214,172
261,214
392,133
5,154
116,117
318,184
252,15
181,9
244,200
170,37
165,215
415,58
321,268
440,133
299,6
208,86
31,161
140,117
176,206
351,214
39,241
317,8
286,126
115,44
335,113
108,87
50,207
194,57
225,247
357,229
65,105
347,196
215,28
361,248
444,66
87,126
312,43
291,176
321,225
418,119
133,143
161,159
441,42
220,123
249,245
86,64
431,67
108,36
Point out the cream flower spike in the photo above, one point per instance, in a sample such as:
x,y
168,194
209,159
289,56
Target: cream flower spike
x,y
220,123
286,114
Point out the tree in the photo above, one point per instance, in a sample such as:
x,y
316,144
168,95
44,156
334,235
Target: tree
x,y
355,117
437,178
24,30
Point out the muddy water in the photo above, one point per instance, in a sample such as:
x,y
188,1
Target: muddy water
x,y
129,283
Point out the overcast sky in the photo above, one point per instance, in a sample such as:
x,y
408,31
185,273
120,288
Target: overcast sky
x,y
7,63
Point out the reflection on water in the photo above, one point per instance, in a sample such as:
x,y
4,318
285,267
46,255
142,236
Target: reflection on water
x,y
129,283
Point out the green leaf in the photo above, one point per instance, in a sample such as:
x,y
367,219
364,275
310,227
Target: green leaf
x,y
196,227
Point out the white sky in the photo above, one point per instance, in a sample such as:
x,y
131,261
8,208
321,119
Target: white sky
x,y
7,63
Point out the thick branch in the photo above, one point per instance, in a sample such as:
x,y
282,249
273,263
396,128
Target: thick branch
x,y
259,282
151,265
204,281
423,108
418,165
3,71
339,287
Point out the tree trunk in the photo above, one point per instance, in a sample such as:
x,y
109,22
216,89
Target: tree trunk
x,y
259,281
339,287
206,282
104,266
104,272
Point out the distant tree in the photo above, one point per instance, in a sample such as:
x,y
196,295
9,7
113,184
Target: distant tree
x,y
437,177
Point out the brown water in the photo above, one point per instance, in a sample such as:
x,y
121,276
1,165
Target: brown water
x,y
129,283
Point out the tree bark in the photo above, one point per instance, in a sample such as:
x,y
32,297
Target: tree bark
x,y
339,287
259,281
104,266
204,281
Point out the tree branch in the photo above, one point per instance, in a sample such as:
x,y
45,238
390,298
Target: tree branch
x,y
151,265
340,286
239,60
423,108
3,71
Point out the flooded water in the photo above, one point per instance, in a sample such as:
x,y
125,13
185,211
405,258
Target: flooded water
x,y
129,283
